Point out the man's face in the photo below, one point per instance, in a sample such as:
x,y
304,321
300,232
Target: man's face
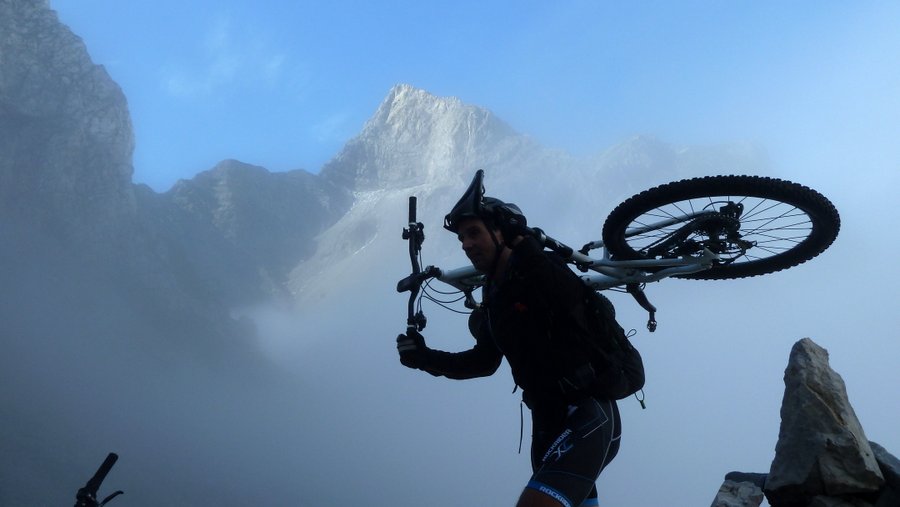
x,y
477,244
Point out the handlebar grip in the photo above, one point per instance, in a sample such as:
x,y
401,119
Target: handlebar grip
x,y
412,209
415,280
94,484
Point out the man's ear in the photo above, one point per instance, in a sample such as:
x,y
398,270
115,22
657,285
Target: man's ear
x,y
499,235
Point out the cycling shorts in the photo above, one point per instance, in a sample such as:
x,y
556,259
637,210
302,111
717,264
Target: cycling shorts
x,y
567,462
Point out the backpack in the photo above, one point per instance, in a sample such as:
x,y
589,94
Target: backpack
x,y
618,367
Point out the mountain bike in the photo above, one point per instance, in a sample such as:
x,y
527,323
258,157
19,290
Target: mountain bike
x,y
707,228
87,495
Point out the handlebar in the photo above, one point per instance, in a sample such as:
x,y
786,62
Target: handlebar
x,y
415,234
87,496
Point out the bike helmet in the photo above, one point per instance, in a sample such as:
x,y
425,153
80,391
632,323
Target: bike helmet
x,y
474,204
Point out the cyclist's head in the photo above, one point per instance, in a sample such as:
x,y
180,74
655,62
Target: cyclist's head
x,y
474,204
490,210
477,222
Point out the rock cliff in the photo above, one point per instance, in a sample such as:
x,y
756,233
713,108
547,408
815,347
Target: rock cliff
x,y
65,133
241,227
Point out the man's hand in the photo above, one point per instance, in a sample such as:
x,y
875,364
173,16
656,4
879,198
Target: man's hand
x,y
412,349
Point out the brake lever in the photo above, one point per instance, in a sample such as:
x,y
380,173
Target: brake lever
x,y
415,280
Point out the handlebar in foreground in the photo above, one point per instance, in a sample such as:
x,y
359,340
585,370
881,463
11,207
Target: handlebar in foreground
x,y
415,234
87,496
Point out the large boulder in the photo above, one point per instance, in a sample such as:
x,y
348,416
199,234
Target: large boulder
x,y
822,449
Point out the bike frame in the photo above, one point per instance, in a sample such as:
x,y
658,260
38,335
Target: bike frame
x,y
605,273
608,273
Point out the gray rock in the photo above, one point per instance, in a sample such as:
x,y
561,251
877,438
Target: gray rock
x,y
738,494
755,478
889,465
241,227
889,498
65,132
821,449
833,501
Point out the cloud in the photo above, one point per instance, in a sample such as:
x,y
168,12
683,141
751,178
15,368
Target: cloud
x,y
331,127
217,37
272,67
228,55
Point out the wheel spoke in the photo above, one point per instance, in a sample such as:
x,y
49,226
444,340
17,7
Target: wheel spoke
x,y
772,226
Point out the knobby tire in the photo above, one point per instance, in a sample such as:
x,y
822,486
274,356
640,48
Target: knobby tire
x,y
787,223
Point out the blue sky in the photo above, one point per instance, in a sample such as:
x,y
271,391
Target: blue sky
x,y
285,84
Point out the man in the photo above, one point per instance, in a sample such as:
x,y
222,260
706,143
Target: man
x,y
525,316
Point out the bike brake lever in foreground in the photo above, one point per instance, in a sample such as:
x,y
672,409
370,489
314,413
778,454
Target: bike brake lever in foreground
x,y
414,281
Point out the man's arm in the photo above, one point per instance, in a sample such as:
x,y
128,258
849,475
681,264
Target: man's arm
x,y
481,360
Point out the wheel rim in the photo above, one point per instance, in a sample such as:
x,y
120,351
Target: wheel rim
x,y
766,228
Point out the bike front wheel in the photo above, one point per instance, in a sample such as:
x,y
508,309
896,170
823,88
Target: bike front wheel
x,y
755,225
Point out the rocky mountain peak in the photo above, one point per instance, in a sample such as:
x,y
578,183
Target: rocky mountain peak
x,y
406,108
65,133
415,137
